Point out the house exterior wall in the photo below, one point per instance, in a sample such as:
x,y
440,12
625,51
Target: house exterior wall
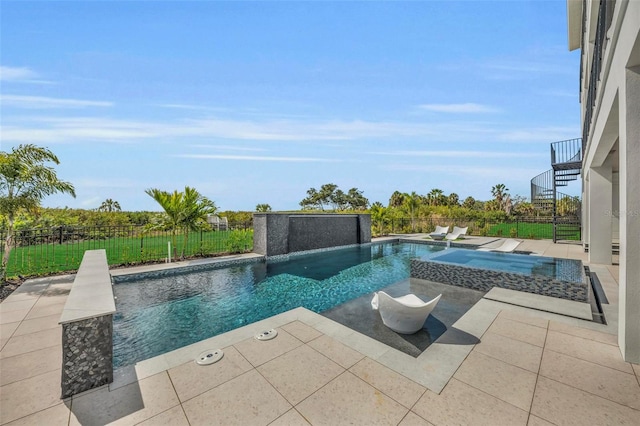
x,y
611,120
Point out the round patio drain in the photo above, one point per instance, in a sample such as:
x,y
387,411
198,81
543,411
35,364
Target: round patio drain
x,y
267,335
209,357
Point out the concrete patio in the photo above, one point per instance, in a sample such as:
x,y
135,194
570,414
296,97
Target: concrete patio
x,y
512,366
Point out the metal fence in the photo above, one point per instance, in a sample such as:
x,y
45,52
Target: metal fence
x,y
522,227
50,250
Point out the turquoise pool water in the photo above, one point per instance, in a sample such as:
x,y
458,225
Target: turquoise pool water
x,y
158,315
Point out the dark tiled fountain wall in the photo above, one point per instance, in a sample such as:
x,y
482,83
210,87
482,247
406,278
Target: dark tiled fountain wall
x,y
282,233
485,280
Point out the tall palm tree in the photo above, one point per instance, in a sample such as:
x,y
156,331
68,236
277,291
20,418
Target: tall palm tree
x,y
25,180
186,211
109,205
412,202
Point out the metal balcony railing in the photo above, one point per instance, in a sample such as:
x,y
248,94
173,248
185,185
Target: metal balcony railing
x,y
596,63
566,153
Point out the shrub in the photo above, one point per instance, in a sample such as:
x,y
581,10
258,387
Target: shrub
x,y
513,232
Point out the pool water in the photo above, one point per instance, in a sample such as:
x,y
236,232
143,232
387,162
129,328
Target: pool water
x,y
158,315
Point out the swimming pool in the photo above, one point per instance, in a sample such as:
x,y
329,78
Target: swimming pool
x,y
159,314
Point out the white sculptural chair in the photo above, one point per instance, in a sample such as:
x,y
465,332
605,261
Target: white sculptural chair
x,y
405,314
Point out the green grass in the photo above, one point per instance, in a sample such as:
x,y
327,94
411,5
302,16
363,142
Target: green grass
x,y
526,230
44,259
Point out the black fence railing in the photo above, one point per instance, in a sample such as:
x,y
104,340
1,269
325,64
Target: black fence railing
x,y
568,151
520,227
42,251
596,65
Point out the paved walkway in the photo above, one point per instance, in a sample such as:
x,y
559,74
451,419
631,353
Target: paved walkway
x,y
526,367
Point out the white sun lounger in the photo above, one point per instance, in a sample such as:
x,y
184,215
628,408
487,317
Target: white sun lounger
x,y
405,314
440,232
457,233
507,246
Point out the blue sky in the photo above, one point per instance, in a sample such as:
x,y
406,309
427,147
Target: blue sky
x,y
256,102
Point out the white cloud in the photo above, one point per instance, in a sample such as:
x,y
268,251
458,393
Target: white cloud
x,y
259,158
465,108
464,154
91,202
542,134
227,147
16,73
500,173
20,75
41,102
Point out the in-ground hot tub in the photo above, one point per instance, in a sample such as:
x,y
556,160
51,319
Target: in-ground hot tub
x,y
479,270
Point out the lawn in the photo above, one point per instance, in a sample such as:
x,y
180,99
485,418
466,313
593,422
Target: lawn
x,y
51,258
526,230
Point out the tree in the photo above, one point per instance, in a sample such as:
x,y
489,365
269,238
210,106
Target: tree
x,y
453,200
186,211
397,199
378,216
263,208
412,202
502,197
109,205
436,197
25,180
356,200
469,202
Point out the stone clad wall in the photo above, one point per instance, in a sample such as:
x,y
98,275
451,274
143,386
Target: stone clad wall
x,y
87,357
282,233
87,327
485,280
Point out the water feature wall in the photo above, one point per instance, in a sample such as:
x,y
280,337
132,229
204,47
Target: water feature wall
x,y
282,233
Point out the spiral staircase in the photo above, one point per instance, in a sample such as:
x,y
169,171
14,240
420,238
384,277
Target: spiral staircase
x,y
566,165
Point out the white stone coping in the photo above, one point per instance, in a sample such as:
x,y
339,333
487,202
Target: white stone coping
x,y
541,303
91,294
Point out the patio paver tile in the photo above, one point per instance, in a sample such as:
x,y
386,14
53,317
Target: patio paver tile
x,y
247,399
606,382
19,305
588,350
497,378
56,415
518,330
129,404
412,419
172,417
336,351
258,352
37,324
29,364
299,373
13,316
462,404
398,387
301,331
290,418
524,318
585,333
349,400
514,352
29,396
32,342
44,311
562,404
7,330
537,421
191,379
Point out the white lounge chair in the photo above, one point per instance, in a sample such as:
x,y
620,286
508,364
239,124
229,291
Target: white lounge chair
x,y
457,233
439,232
405,314
507,246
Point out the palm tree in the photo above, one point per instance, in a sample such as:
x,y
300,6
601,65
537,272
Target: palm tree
x,y
436,197
186,210
109,205
24,181
378,215
412,202
263,208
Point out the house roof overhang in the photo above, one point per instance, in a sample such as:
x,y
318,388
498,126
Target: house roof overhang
x,y
574,23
